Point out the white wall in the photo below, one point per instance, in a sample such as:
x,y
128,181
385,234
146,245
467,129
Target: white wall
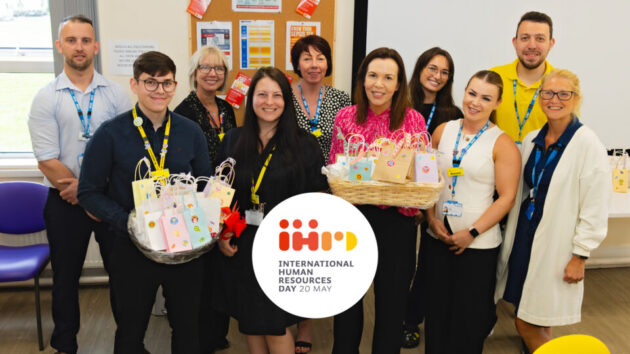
x,y
591,40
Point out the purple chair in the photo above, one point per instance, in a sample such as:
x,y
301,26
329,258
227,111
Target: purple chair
x,y
22,212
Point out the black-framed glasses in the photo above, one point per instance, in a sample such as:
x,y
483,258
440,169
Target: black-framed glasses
x,y
152,85
562,95
206,69
434,69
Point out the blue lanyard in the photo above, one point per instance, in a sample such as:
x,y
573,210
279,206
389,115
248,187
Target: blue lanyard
x,y
536,179
431,116
312,122
86,126
457,161
529,111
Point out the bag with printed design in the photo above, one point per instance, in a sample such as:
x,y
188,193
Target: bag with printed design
x,y
196,222
620,176
143,186
220,185
425,163
359,165
394,161
175,232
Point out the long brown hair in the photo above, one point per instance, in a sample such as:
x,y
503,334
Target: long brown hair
x,y
494,79
399,100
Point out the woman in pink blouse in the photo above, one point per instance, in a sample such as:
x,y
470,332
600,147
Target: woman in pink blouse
x,y
381,109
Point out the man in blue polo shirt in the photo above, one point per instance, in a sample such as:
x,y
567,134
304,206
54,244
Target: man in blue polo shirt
x,y
174,144
63,116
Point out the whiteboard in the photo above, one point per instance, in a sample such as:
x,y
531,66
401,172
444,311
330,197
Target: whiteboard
x,y
592,40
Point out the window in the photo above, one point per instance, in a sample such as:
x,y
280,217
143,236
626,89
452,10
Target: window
x,y
26,58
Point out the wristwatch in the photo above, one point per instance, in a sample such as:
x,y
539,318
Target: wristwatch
x,y
473,232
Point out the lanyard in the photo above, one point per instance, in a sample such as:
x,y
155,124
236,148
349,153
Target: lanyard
x,y
431,116
535,179
312,121
529,111
212,122
458,160
84,124
147,145
254,197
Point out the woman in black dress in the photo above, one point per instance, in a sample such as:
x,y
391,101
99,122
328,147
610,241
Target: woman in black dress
x,y
207,73
270,132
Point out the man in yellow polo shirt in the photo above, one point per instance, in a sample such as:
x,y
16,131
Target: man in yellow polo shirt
x,y
519,112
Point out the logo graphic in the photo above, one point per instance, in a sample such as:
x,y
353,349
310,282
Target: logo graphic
x,y
314,249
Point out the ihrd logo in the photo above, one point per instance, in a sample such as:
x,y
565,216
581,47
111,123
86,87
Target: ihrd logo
x,y
312,240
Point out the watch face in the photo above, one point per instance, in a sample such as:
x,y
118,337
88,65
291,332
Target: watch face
x,y
473,232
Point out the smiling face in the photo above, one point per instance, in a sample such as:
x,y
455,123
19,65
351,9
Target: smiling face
x,y
77,45
212,81
555,109
381,82
480,99
435,75
532,43
313,66
268,102
153,103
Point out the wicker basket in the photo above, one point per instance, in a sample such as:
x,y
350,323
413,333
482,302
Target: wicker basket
x,y
410,194
166,257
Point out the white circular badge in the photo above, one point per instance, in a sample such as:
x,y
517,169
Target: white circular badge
x,y
315,255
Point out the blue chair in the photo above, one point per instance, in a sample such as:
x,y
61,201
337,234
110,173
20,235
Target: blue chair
x,y
22,212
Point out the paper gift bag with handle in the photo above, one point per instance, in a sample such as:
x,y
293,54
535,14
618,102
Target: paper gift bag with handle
x,y
393,163
620,176
196,223
220,186
425,163
359,166
143,186
175,232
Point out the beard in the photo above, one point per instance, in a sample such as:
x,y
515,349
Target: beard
x,y
529,66
79,66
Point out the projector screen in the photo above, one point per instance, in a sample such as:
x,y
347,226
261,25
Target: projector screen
x,y
592,40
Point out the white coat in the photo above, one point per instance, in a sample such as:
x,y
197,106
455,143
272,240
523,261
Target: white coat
x,y
574,221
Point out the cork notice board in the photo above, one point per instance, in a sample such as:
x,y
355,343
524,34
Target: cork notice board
x,y
221,10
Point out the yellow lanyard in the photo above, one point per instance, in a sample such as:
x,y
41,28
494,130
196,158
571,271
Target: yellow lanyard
x,y
254,197
159,168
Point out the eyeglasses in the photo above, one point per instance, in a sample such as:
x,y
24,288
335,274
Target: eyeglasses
x,y
152,85
206,69
562,95
434,70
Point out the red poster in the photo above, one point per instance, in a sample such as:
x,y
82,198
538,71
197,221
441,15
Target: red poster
x,y
238,90
307,7
198,7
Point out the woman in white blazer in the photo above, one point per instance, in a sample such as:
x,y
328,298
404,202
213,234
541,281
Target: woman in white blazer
x,y
560,218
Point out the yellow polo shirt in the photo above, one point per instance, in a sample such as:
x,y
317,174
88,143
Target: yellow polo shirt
x,y
506,116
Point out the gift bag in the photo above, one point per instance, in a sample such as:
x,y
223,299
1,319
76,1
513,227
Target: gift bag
x,y
220,186
620,176
143,186
425,163
153,230
212,209
360,168
393,163
196,223
175,232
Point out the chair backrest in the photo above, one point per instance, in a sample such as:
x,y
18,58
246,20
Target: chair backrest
x,y
22,207
573,344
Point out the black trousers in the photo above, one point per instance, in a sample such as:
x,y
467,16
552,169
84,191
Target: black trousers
x,y
136,280
213,324
68,229
415,301
396,241
459,298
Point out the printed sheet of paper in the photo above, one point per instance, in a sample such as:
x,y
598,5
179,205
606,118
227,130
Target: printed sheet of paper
x,y
257,5
297,30
256,43
122,54
218,34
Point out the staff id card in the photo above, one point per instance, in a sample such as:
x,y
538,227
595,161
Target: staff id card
x,y
455,171
255,215
452,208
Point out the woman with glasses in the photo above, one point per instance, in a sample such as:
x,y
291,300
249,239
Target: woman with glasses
x,y
560,218
316,103
475,158
430,89
207,73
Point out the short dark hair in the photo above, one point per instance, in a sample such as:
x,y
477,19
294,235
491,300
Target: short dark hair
x,y
73,18
494,79
302,45
400,102
153,63
535,16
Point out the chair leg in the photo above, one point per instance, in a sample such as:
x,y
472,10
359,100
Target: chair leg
x,y
39,315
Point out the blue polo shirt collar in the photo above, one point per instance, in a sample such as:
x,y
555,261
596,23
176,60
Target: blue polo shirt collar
x,y
564,139
64,82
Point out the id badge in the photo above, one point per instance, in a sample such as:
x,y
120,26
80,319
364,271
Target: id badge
x,y
452,208
161,174
317,133
253,217
84,137
221,135
455,171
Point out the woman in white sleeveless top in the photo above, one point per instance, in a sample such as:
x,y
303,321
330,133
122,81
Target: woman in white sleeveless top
x,y
476,159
